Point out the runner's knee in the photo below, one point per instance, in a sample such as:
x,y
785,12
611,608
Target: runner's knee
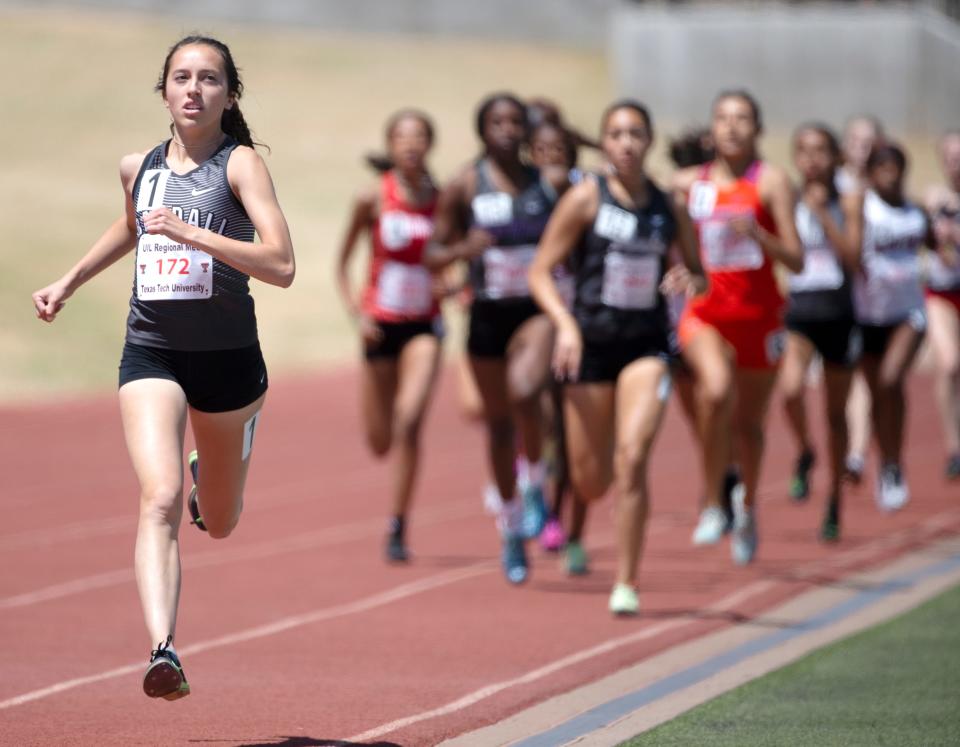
x,y
162,503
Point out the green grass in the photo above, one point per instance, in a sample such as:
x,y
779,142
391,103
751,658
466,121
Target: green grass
x,y
895,684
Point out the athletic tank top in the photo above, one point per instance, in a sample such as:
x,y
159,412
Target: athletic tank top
x,y
889,287
822,292
941,276
516,224
400,288
618,267
184,299
741,282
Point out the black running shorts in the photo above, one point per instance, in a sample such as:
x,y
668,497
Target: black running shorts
x,y
603,362
396,335
839,342
212,380
493,324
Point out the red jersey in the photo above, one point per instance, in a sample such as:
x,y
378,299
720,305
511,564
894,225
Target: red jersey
x,y
400,288
742,286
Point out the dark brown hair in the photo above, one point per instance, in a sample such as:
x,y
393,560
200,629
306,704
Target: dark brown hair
x,y
231,121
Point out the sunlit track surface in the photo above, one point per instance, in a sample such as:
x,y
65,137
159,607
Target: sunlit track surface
x,y
294,628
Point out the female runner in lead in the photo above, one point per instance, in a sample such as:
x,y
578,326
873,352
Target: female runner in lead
x,y
732,336
192,205
398,316
492,216
613,350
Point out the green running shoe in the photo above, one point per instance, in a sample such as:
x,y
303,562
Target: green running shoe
x,y
800,482
575,559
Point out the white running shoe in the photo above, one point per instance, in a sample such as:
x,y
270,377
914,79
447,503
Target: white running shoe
x,y
492,502
743,538
892,491
712,525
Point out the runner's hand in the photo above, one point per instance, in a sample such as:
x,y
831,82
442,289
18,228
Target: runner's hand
x,y
745,225
164,221
816,196
476,243
369,330
567,352
48,301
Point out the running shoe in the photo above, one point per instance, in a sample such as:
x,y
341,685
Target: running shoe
x,y
553,538
492,502
892,491
952,472
514,559
535,512
624,601
193,504
743,538
575,559
712,526
853,468
396,549
830,528
731,478
164,677
800,482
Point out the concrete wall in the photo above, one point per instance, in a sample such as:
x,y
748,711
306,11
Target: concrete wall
x,y
823,62
576,22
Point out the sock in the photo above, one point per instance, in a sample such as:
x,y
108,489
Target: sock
x,y
522,467
536,472
396,526
510,518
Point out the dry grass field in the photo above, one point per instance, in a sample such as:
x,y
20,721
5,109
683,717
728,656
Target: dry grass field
x,y
78,95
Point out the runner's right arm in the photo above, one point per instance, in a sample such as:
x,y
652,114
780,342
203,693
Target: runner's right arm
x,y
115,242
574,213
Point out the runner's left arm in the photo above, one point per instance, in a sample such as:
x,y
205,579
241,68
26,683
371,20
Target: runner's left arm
x,y
271,260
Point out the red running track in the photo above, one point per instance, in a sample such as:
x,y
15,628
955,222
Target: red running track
x,y
294,632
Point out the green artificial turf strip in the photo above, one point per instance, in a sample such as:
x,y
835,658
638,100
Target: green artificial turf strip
x,y
895,684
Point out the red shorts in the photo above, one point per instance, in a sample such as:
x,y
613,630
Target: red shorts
x,y
950,296
757,344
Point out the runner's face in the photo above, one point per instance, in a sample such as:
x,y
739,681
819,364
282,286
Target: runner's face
x,y
858,139
887,179
813,156
734,128
504,129
950,159
195,90
626,140
409,144
548,148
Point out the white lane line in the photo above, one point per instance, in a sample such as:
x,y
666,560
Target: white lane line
x,y
929,527
728,602
380,599
254,551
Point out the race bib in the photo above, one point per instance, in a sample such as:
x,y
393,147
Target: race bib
x,y
630,281
492,209
821,271
615,224
702,200
170,271
505,271
726,250
394,230
405,289
153,187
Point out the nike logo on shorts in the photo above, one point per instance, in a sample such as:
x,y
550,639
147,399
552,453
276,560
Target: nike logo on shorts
x,y
198,192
